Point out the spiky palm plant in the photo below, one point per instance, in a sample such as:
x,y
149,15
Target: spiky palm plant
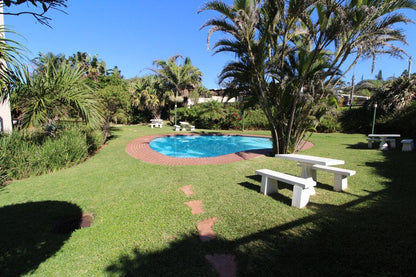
x,y
289,53
179,78
53,92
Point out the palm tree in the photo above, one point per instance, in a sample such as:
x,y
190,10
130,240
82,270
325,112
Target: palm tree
x,y
289,53
55,91
148,95
179,78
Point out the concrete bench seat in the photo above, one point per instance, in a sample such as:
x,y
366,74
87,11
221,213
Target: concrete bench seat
x,y
407,145
301,186
370,142
156,123
340,175
191,128
392,143
176,127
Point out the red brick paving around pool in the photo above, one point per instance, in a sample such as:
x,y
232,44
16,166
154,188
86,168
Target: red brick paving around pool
x,y
140,149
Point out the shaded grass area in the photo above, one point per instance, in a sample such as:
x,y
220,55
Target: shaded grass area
x,y
143,228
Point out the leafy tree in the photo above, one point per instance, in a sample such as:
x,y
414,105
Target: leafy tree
x,y
379,75
178,78
149,95
91,65
289,53
41,8
395,96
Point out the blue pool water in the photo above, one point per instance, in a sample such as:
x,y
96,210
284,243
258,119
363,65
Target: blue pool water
x,y
207,146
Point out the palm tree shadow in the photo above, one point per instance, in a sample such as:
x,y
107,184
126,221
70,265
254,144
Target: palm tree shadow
x,y
29,234
371,235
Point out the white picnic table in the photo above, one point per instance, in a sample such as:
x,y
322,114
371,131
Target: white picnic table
x,y
383,138
306,162
184,124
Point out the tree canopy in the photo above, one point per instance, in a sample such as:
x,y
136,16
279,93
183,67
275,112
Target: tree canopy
x,y
289,54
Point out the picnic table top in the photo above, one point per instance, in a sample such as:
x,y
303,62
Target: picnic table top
x,y
384,135
306,159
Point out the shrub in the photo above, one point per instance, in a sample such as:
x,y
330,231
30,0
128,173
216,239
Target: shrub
x,y
27,153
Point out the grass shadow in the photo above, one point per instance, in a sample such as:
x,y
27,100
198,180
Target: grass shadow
x,y
29,235
372,235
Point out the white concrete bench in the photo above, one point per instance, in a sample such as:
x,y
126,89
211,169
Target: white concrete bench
x,y
177,127
301,186
156,123
191,128
370,142
407,145
340,175
392,143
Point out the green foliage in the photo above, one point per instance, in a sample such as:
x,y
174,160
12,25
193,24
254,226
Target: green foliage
x,y
395,96
115,100
401,122
288,53
216,115
28,153
356,120
54,91
329,124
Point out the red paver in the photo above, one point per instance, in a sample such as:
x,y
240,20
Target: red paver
x,y
196,206
224,264
86,220
205,229
187,190
140,149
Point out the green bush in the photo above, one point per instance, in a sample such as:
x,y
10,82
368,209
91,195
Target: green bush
x,y
25,153
228,116
401,122
329,123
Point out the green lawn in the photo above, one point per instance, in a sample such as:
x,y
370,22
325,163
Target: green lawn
x,y
143,228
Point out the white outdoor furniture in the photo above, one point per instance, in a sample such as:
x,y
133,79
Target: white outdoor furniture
x,y
184,124
156,123
340,175
302,187
177,127
383,140
307,162
191,128
407,145
370,142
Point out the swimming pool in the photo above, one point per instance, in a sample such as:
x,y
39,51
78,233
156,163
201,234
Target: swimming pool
x,y
207,145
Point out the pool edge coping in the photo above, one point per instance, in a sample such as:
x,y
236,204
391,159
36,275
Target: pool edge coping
x,y
139,148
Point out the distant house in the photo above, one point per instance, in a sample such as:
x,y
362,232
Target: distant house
x,y
357,100
214,95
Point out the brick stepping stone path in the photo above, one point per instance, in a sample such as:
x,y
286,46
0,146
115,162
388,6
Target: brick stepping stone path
x,y
187,190
205,229
196,206
224,264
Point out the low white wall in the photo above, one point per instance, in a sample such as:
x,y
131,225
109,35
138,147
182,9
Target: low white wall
x,y
5,116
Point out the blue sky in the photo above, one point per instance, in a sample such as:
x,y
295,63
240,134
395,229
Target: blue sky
x,y
134,33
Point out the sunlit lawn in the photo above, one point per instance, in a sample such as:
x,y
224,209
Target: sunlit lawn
x,y
143,228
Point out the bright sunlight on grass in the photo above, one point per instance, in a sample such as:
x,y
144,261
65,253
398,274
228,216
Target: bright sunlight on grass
x,y
143,228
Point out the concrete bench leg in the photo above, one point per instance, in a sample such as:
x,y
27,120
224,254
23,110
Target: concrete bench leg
x,y
370,144
307,172
300,197
268,185
392,144
340,182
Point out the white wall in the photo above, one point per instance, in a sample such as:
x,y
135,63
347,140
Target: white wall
x,y
5,115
